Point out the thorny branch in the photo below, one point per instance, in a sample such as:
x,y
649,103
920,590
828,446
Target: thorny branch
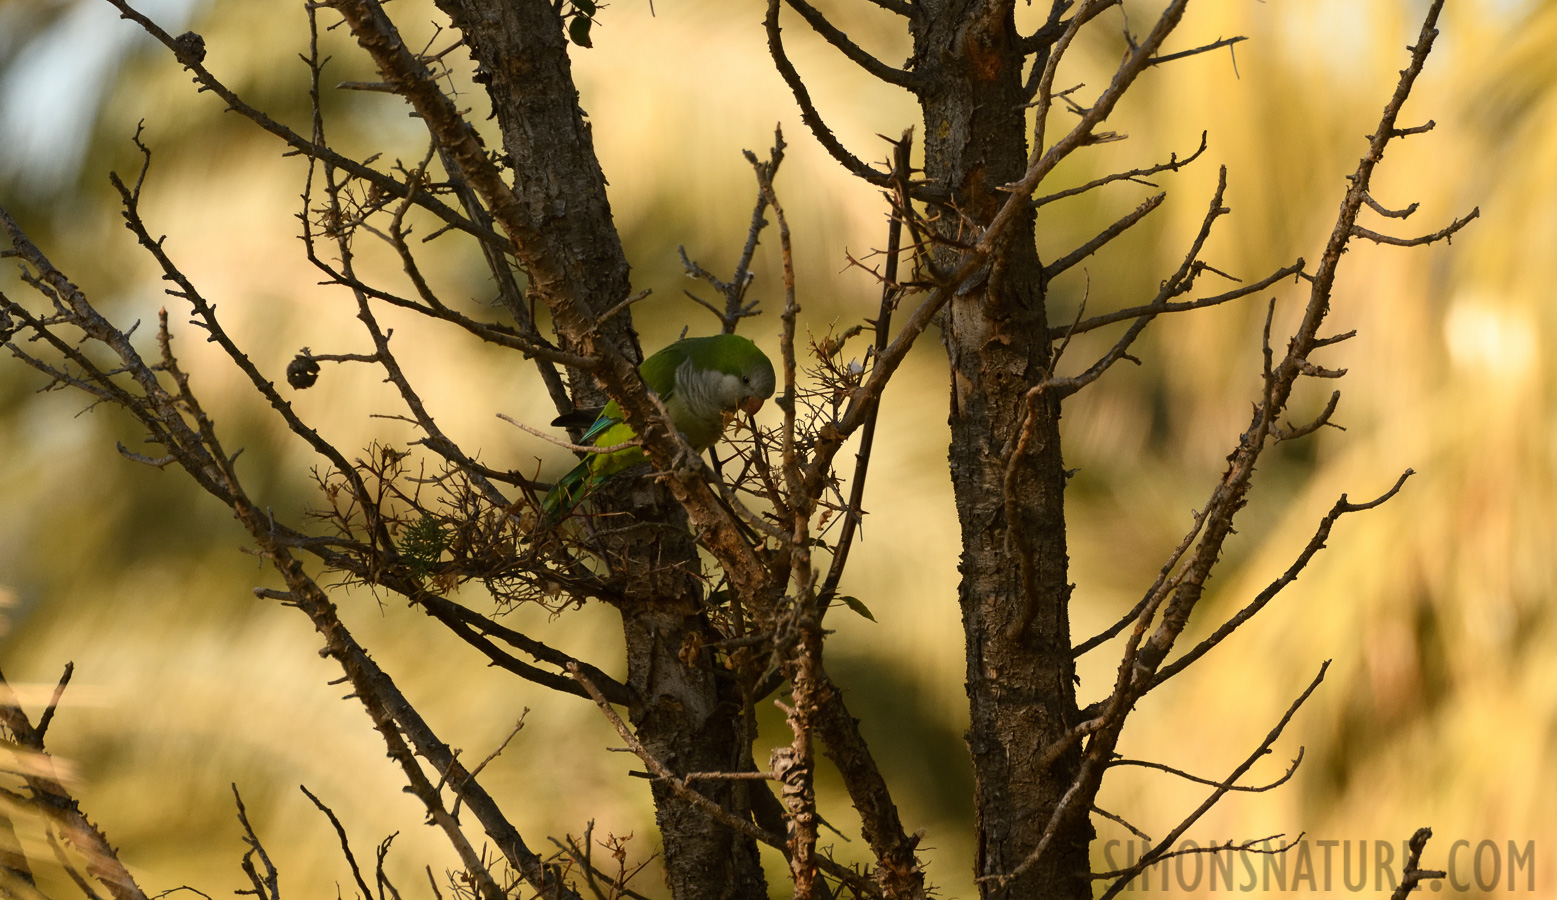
x,y
1178,589
1251,845
340,833
266,885
1162,847
177,421
734,290
707,806
859,57
775,606
192,61
54,802
808,112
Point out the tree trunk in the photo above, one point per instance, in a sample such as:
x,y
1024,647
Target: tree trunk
x,y
1020,675
681,713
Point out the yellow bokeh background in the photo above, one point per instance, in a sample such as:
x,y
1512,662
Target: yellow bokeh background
x,y
1440,705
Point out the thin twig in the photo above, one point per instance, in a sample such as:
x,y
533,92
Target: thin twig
x,y
705,805
859,57
1252,789
576,448
340,833
1252,845
1166,844
1215,45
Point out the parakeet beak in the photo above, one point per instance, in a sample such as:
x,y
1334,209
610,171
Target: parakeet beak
x,y
750,405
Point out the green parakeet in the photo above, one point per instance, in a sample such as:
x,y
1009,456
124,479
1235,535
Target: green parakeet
x,y
702,381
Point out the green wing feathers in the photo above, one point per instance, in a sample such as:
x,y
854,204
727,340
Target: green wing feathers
x,y
727,374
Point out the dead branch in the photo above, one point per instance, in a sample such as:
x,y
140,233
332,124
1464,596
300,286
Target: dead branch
x,y
1315,544
192,61
463,620
54,802
1412,875
567,445
581,857
848,48
901,7
266,886
705,805
1182,54
891,294
1180,282
1157,307
1090,247
1253,789
1443,234
808,112
1120,819
734,290
1318,422
1137,176
340,833
1389,213
1221,790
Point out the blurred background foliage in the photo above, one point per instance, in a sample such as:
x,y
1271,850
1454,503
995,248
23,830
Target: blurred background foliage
x,y
1440,707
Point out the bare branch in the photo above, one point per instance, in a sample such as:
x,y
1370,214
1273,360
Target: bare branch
x,y
1253,789
340,833
1135,175
1215,45
1444,234
1166,843
1228,496
808,113
1412,875
859,57
266,886
576,448
1158,308
153,461
192,62
70,868
1120,819
59,808
1319,421
705,805
59,692
1180,282
581,858
469,625
734,290
1389,213
901,7
1315,544
1424,128
1090,247
891,294
1252,845
611,313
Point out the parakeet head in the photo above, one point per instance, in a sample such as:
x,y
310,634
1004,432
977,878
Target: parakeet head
x,y
745,374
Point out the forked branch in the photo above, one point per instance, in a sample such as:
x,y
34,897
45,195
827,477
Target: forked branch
x,y
808,111
1166,844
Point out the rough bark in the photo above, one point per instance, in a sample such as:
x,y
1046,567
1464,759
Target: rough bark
x,y
522,58
680,712
1020,676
